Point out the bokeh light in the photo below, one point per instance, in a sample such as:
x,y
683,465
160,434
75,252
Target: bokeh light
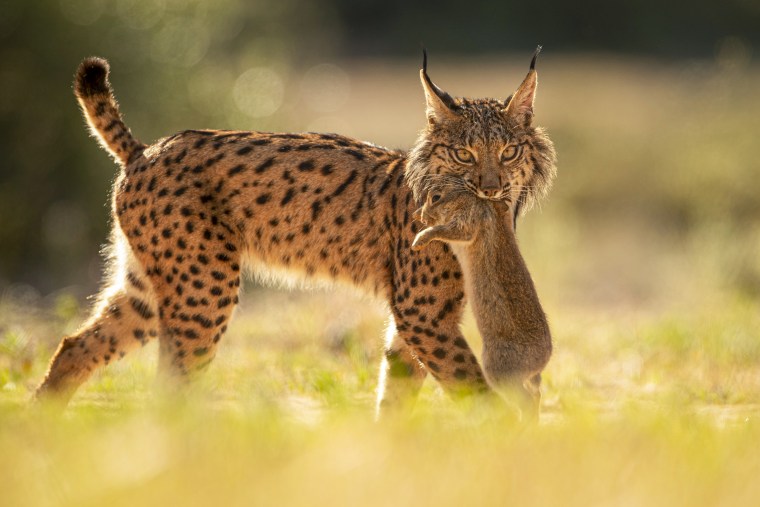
x,y
209,85
325,88
259,92
82,12
139,14
180,41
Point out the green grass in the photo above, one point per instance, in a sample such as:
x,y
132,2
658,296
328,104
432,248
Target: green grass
x,y
638,410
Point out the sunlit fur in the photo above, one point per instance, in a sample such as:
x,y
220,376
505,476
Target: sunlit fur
x,y
486,129
195,210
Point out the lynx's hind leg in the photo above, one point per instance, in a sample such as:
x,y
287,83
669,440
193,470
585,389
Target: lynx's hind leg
x,y
124,318
197,282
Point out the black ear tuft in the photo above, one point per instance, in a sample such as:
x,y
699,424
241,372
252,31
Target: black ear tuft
x,y
92,78
535,55
447,99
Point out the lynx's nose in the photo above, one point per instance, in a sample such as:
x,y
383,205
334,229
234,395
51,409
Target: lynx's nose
x,y
490,184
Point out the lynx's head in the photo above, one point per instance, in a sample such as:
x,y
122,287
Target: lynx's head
x,y
486,146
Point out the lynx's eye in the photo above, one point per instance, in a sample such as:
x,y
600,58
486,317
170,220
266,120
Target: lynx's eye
x,y
463,156
510,153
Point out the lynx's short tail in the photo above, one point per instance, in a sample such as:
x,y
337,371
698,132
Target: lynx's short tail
x,y
101,111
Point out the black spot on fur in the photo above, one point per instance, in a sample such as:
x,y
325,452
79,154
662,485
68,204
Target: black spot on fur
x,y
234,170
346,183
306,166
316,209
264,165
141,307
356,154
288,196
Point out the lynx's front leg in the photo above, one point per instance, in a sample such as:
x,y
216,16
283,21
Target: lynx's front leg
x,y
427,303
401,373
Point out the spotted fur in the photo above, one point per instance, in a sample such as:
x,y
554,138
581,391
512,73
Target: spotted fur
x,y
192,211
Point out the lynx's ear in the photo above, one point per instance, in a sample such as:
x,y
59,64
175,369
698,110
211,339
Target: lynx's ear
x,y
520,106
440,105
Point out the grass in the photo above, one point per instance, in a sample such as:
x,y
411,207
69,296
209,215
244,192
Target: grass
x,y
198,456
638,410
645,257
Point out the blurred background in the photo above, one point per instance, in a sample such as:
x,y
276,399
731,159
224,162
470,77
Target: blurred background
x,y
646,254
654,108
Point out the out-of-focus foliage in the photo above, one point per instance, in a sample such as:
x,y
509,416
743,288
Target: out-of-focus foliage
x,y
674,29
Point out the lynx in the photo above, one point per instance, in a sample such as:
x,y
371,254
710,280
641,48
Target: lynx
x,y
516,339
193,210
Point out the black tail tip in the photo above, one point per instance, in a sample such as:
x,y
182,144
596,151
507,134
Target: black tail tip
x,y
92,77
